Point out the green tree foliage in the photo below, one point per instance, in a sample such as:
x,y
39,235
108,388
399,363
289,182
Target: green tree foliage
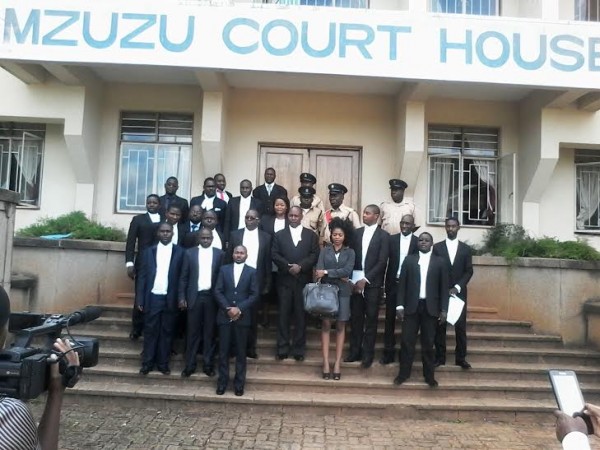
x,y
512,241
76,224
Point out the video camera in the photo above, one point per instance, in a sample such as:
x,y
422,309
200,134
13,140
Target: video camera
x,y
24,366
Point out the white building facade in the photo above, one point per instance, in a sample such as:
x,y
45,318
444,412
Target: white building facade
x,y
486,108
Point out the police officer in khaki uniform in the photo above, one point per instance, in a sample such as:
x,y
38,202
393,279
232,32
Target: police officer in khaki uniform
x,y
392,212
308,180
312,216
338,209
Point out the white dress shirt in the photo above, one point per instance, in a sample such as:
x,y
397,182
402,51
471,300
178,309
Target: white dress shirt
x,y
366,240
296,234
237,272
223,195
269,187
404,246
163,261
194,227
205,259
207,203
175,238
216,243
278,225
424,259
154,217
576,440
244,207
250,241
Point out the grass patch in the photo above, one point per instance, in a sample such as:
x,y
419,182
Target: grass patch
x,y
512,241
75,223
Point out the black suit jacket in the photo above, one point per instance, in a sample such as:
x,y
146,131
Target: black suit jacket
x,y
436,288
394,261
233,211
174,200
182,231
219,207
143,231
190,238
462,270
267,224
244,295
305,255
260,192
263,263
377,255
188,281
147,273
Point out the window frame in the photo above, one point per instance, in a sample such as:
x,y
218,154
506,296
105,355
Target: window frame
x,y
26,130
157,144
591,12
460,157
433,8
361,4
580,153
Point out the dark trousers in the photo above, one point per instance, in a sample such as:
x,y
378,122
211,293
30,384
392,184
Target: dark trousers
x,y
137,316
389,337
159,325
253,329
460,328
410,329
232,334
291,310
363,323
201,327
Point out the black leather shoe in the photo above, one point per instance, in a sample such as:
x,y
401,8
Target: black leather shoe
x,y
366,364
432,382
220,390
439,363
239,391
385,360
145,370
282,356
134,336
209,371
165,371
352,358
186,373
252,354
299,358
463,364
399,380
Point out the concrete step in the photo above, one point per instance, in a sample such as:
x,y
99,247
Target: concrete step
x,y
398,405
352,383
531,369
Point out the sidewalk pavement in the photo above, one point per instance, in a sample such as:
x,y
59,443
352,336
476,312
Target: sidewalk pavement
x,y
120,427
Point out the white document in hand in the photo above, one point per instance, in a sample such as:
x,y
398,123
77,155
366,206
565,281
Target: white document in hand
x,y
455,308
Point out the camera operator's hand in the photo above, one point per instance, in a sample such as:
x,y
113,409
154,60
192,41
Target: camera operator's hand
x,y
72,358
594,412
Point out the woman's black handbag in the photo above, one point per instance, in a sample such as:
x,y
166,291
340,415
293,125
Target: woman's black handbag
x,y
321,299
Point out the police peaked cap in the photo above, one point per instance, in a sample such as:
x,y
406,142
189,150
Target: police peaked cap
x,y
305,176
337,188
395,183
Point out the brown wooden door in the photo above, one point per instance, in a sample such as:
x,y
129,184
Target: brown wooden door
x,y
329,165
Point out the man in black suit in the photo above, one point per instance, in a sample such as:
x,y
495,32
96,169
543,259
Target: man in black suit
x,y
143,231
295,252
221,185
268,191
173,216
459,259
170,198
210,221
192,227
156,298
258,245
208,201
422,302
237,207
196,284
401,245
371,245
236,292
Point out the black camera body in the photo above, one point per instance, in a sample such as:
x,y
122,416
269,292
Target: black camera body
x,y
24,366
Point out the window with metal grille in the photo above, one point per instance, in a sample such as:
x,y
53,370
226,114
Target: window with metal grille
x,y
154,146
21,157
332,3
463,174
588,10
476,7
587,174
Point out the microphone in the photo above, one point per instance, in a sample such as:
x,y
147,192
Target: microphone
x,y
84,315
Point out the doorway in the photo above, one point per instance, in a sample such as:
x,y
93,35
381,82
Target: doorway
x,y
329,164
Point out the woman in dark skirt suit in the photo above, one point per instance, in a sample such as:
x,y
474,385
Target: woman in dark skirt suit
x,y
334,266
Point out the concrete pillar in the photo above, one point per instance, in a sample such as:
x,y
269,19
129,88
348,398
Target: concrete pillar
x,y
417,6
8,207
214,126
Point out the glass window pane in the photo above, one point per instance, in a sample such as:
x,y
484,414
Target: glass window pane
x,y
443,188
